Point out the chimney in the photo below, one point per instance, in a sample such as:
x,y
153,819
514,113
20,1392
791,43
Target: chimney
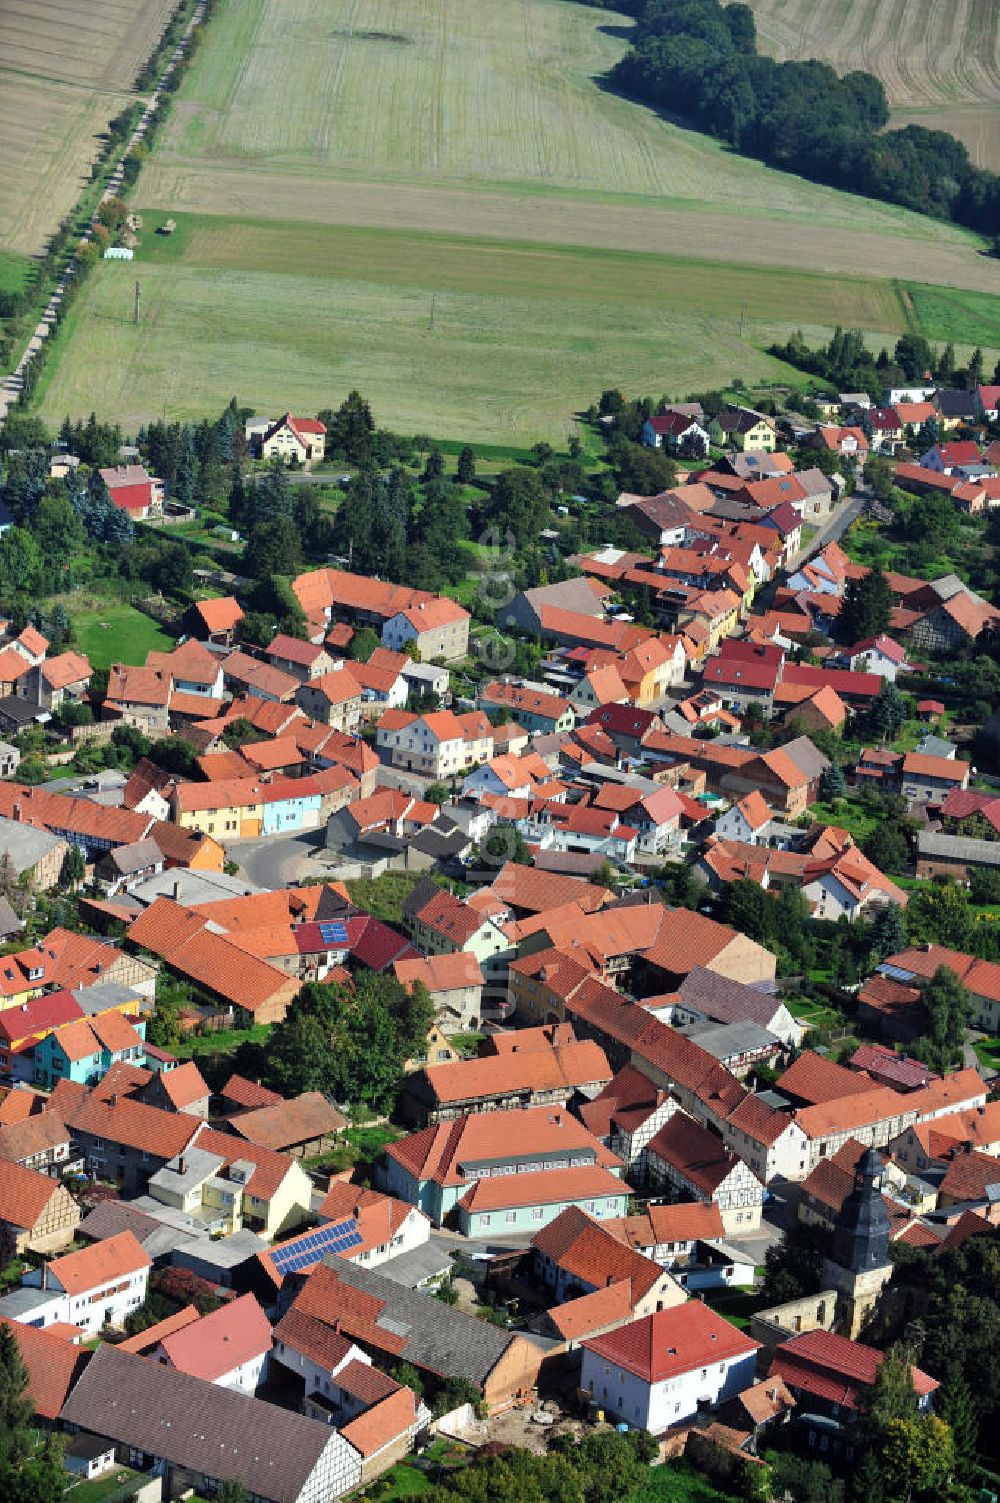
x,y
113,1099
182,1164
176,894
18,811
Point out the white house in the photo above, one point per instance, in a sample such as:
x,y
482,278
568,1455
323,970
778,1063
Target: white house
x,y
230,1347
674,430
879,655
748,821
657,1371
99,1285
771,1143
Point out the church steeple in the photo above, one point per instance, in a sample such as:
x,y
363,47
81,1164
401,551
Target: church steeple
x,y
861,1234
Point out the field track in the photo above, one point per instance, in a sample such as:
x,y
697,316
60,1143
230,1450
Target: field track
x,y
938,59
66,67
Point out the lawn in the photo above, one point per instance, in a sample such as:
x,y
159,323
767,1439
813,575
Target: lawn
x,y
116,633
736,1305
847,813
211,1045
384,896
522,336
443,209
99,1489
988,1053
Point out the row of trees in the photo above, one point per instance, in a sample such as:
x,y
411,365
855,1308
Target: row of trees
x,y
699,58
848,364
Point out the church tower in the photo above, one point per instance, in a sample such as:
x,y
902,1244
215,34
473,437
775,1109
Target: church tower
x,y
858,1265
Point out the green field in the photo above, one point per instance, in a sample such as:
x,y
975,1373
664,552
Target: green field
x,y
435,202
117,634
523,334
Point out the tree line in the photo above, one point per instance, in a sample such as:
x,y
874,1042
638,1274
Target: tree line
x,y
699,59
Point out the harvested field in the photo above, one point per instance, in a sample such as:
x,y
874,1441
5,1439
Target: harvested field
x,y
66,68
338,168
938,59
288,101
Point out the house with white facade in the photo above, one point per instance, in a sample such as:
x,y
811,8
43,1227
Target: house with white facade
x,y
657,1371
440,744
230,1347
98,1286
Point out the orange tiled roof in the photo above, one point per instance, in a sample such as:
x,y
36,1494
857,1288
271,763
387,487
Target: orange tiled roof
x,y
112,1258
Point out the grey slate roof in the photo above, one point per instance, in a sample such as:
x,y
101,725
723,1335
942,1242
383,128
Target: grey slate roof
x,y
958,848
197,1425
9,921
726,1040
24,843
113,1216
442,1339
726,1001
807,758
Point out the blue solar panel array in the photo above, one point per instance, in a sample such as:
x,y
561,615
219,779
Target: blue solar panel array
x,y
336,1238
333,933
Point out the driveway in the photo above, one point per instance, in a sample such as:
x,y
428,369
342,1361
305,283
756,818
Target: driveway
x,y
833,529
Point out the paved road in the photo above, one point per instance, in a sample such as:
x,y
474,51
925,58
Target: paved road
x,y
276,860
833,528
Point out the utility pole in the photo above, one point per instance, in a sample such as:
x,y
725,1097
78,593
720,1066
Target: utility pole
x,y
743,319
136,317
433,301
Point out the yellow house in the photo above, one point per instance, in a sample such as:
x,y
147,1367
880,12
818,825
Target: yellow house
x,y
301,439
228,809
239,1184
718,611
744,430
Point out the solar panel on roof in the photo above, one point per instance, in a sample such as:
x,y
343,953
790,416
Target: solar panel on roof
x,y
335,1238
333,933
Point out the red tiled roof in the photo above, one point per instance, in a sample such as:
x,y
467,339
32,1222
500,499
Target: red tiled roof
x,y
832,1368
672,1342
220,1342
542,1187
52,1365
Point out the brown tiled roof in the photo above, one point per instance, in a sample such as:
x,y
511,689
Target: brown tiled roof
x,y
184,1085
287,1123
382,1423
248,1093
593,1312
221,614
161,1134
436,1153
38,1134
814,1079
568,1067
694,1152
970,1175
182,939
146,1340
585,1249
544,1187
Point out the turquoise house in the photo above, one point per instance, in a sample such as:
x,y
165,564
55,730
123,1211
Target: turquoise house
x,y
504,1171
290,813
84,1051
